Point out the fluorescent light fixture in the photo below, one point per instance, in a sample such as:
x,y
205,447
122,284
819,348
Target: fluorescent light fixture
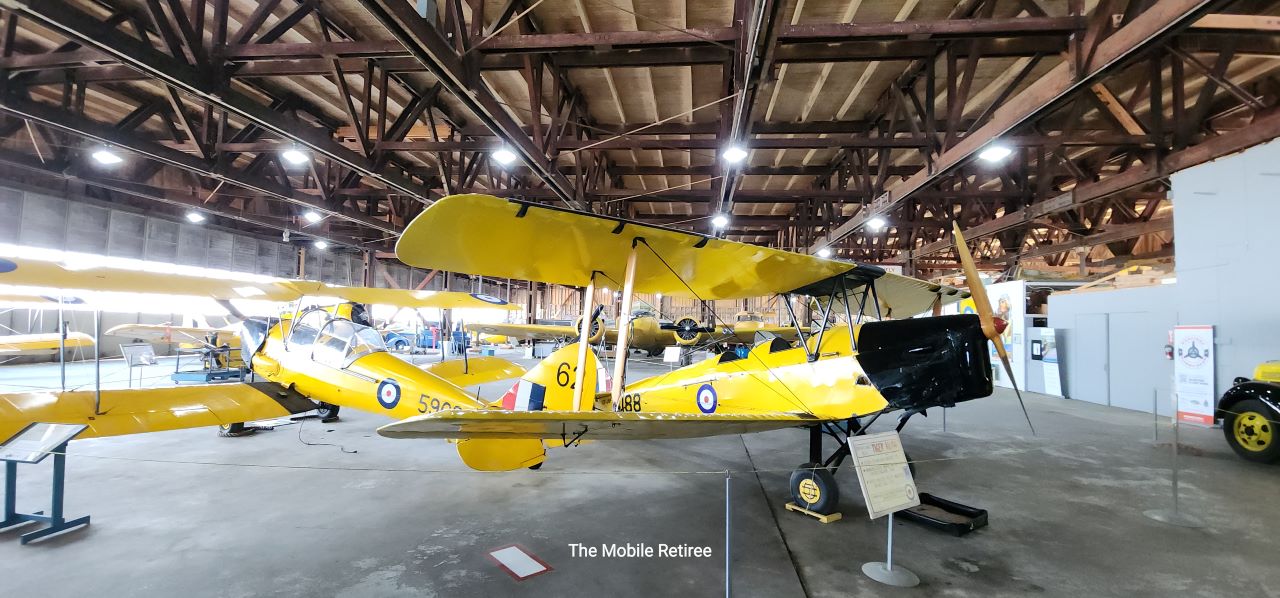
x,y
321,245
504,156
720,221
312,216
877,223
195,217
824,252
995,154
734,154
107,157
659,296
295,156
1169,280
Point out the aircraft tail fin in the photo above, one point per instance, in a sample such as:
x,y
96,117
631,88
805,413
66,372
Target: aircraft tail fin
x,y
549,386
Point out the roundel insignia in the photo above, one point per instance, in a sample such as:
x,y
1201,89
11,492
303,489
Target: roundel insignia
x,y
707,399
7,266
488,298
389,393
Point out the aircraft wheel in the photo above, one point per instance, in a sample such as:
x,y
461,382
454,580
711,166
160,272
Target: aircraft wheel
x,y
814,488
328,412
1251,431
234,430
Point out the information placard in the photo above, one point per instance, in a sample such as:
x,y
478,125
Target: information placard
x,y
1193,374
883,473
138,354
36,441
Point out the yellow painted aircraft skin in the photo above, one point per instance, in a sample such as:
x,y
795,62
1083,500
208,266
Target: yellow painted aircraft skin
x,y
766,381
41,344
646,333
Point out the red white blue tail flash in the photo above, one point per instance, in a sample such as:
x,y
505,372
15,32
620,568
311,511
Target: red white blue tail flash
x,y
525,396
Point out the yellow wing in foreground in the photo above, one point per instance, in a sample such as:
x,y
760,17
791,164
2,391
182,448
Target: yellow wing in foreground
x,y
40,344
587,425
151,409
475,370
542,332
41,274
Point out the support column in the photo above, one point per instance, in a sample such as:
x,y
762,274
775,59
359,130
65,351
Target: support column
x,y
588,296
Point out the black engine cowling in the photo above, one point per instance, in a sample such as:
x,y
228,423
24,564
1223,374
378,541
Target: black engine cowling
x,y
927,362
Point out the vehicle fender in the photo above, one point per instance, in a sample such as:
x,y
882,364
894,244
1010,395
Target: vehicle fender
x,y
1267,392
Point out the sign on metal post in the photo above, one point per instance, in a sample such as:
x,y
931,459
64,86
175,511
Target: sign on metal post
x,y
1193,374
883,473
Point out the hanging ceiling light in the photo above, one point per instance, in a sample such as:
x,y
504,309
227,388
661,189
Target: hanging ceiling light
x,y
995,153
876,224
295,156
321,245
107,157
312,216
195,217
734,154
720,221
824,252
504,156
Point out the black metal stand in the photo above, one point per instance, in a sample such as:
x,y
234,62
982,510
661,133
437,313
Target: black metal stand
x,y
57,523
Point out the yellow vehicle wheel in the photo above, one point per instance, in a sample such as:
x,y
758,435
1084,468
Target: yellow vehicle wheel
x,y
1250,428
814,488
234,430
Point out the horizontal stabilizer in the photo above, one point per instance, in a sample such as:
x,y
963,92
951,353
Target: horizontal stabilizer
x,y
590,425
475,370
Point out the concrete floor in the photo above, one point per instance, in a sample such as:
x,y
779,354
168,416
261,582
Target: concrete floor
x,y
187,513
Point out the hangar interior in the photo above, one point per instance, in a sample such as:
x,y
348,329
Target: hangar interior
x,y
526,297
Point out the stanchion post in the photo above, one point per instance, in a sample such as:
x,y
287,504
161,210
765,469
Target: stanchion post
x,y
727,527
884,572
1174,516
1155,417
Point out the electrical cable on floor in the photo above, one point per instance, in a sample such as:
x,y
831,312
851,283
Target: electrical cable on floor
x,y
340,447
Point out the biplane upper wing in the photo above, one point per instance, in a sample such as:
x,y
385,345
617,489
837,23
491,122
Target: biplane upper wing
x,y
40,275
39,344
586,425
541,332
163,332
131,411
574,246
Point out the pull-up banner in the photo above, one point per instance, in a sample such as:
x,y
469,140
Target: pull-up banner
x,y
1193,374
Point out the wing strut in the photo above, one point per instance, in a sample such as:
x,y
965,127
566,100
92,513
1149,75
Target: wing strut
x,y
624,324
588,320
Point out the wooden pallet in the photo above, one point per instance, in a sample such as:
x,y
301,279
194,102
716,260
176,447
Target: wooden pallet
x,y
819,516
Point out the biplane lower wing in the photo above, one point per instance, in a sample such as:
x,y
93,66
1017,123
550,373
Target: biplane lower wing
x,y
42,344
587,425
540,332
132,411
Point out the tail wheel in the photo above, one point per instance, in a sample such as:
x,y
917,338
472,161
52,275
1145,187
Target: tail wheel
x,y
686,332
1251,431
814,488
596,334
328,412
234,430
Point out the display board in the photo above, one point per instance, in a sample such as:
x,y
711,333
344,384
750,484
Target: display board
x,y
138,354
883,473
36,441
1193,374
1009,303
1048,360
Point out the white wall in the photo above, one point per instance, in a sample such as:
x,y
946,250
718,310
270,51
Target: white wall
x,y
1124,364
1227,227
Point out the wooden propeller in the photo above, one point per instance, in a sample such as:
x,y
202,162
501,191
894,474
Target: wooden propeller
x,y
983,306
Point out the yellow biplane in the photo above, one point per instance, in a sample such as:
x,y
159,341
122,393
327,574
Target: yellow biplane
x,y
851,366
46,343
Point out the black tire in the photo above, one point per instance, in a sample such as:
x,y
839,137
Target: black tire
x,y
1251,431
814,488
328,412
234,430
